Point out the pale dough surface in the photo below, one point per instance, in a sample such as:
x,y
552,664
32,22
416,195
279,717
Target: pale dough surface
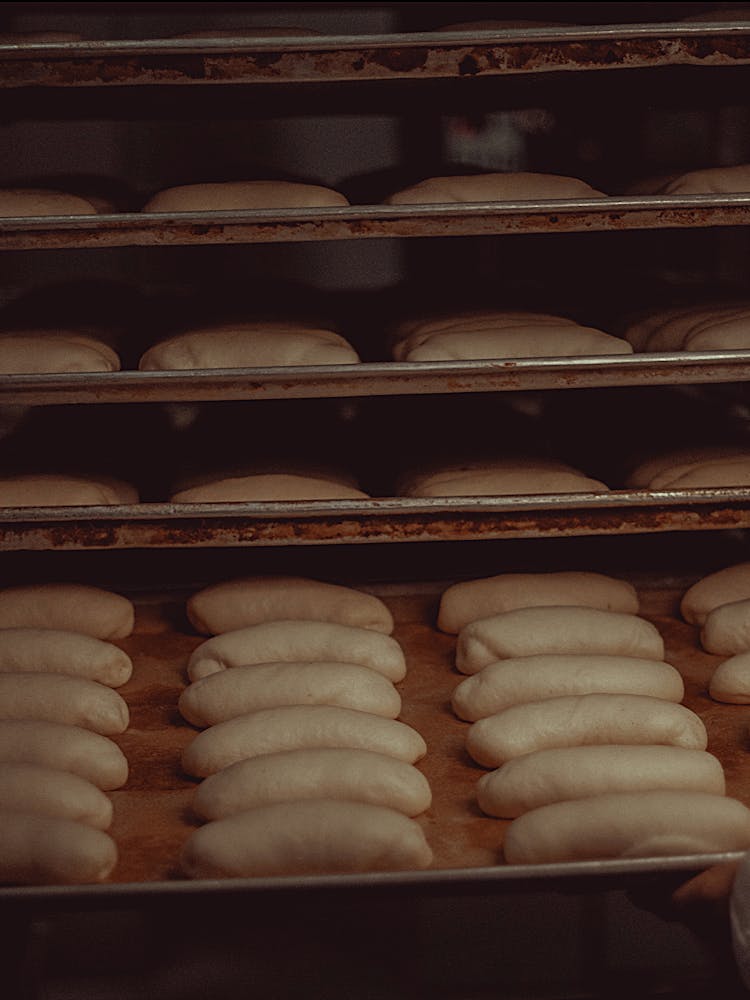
x,y
730,681
49,351
659,469
722,587
48,850
238,195
66,748
57,490
28,202
505,479
493,187
54,651
714,180
59,698
75,607
727,629
268,487
48,791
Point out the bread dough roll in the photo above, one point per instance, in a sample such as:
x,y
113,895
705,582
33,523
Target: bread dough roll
x,y
73,607
33,202
236,196
533,631
658,469
47,351
722,587
415,480
53,651
730,681
230,693
470,600
560,774
268,487
412,333
299,642
48,791
324,773
306,838
714,180
248,345
235,604
57,490
505,478
57,698
96,758
583,720
707,475
727,629
534,678
295,728
493,187
45,850
628,825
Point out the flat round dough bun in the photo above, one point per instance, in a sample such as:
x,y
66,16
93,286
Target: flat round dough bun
x,y
49,351
33,202
54,651
47,850
470,600
235,196
727,629
96,758
306,838
628,825
248,345
234,604
268,487
74,607
715,180
48,791
563,773
323,773
730,682
57,490
493,187
722,587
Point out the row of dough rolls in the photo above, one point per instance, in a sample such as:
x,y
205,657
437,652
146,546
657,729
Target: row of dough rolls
x,y
58,714
578,715
304,765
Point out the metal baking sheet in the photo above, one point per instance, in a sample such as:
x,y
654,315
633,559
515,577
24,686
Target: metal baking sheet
x,y
374,222
418,55
388,378
393,519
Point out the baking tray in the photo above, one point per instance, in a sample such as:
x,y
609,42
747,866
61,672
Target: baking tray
x,y
152,813
418,55
393,519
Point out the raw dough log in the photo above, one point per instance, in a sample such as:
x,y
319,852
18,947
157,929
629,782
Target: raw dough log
x,y
470,600
57,490
39,351
535,678
658,469
65,748
53,651
505,478
44,850
242,690
727,629
72,607
560,774
730,471
723,587
297,642
235,604
248,345
31,788
69,700
295,728
715,180
268,487
28,202
232,196
730,681
628,825
300,838
583,720
531,631
493,187
325,773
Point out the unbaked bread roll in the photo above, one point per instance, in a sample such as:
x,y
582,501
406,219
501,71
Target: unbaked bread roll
x,y
531,631
73,607
707,475
714,180
470,600
658,470
233,196
65,748
511,477
57,698
727,629
57,490
230,693
306,838
45,850
730,682
48,351
534,678
582,720
298,642
722,587
31,788
690,328
493,187
563,773
295,728
628,825
268,487
415,331
53,651
248,345
28,202
324,773
235,604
